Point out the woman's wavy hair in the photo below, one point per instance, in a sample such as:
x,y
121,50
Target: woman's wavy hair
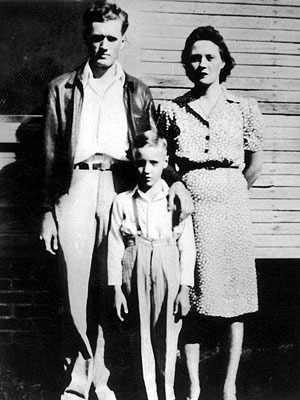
x,y
101,11
214,36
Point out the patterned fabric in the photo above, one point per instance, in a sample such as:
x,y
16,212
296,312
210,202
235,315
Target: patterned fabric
x,y
225,276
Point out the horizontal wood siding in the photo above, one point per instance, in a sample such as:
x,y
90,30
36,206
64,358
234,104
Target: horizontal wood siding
x,y
264,39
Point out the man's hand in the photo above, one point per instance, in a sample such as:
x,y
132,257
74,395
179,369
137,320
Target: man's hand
x,y
182,301
49,233
178,191
120,302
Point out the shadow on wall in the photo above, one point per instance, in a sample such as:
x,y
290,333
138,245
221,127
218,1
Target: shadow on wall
x,y
30,291
30,329
39,41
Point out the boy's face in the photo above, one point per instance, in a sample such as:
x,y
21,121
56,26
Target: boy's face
x,y
150,161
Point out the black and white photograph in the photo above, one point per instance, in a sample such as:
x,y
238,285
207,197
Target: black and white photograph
x,y
150,200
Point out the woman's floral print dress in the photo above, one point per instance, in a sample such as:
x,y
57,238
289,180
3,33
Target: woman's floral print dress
x,y
225,276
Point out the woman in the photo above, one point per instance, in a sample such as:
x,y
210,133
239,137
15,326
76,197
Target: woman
x,y
215,141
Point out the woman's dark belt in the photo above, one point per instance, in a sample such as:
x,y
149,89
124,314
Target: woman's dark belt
x,y
185,165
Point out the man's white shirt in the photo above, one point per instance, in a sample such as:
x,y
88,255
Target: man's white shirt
x,y
103,123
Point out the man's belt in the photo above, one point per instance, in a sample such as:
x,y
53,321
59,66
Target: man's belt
x,y
185,165
100,162
101,166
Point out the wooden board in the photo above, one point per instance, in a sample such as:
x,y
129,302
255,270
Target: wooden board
x,y
249,2
245,34
214,8
246,46
218,21
173,56
245,71
161,80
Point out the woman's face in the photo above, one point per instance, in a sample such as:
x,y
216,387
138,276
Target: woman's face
x,y
206,62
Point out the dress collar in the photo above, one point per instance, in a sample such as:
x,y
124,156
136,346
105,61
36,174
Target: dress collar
x,y
231,97
193,95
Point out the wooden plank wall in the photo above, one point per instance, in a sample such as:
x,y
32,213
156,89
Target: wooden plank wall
x,y
264,38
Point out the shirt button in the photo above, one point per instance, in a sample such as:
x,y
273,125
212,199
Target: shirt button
x,y
206,151
207,137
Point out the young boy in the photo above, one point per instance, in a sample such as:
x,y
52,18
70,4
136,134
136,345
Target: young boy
x,y
151,262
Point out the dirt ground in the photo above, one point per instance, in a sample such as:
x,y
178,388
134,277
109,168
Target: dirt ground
x,y
265,374
31,369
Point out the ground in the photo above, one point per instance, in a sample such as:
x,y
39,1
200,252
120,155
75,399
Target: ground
x,y
264,374
31,369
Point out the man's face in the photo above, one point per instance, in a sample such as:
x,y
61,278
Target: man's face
x,y
105,41
150,162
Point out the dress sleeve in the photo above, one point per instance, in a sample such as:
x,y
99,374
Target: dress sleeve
x,y
167,127
166,120
252,125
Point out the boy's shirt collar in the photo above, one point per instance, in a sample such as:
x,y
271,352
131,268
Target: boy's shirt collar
x,y
162,193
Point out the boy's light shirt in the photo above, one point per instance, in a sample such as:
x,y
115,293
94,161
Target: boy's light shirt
x,y
156,223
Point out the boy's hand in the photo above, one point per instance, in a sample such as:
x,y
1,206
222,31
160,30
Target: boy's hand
x,y
182,301
178,191
120,302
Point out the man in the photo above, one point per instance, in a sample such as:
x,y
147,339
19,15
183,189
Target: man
x,y
92,117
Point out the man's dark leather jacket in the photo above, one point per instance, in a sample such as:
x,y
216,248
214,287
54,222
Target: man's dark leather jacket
x,y
62,119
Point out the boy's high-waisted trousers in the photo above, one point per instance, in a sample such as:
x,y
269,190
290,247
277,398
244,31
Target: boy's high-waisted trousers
x,y
151,279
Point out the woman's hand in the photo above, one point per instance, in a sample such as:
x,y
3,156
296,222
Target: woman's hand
x,y
182,301
120,302
49,233
179,192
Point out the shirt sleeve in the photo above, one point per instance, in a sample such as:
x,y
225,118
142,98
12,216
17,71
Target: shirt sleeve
x,y
252,124
187,253
115,244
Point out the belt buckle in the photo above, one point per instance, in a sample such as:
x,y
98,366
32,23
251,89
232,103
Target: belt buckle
x,y
210,167
101,166
105,165
96,166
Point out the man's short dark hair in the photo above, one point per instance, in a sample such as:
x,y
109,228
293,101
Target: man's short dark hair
x,y
211,34
101,11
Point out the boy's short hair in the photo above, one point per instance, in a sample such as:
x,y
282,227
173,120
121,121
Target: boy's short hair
x,y
149,138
